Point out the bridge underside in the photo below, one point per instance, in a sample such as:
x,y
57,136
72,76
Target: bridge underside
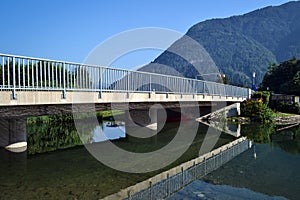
x,y
137,115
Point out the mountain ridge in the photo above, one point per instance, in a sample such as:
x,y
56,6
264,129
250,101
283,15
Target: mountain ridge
x,y
240,45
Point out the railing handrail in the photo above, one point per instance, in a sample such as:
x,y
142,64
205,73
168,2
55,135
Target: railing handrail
x,y
106,67
82,66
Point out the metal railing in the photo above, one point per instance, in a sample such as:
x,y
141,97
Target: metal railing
x,y
172,184
19,73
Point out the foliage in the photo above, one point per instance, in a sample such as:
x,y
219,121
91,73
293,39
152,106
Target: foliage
x,y
55,132
265,133
264,95
285,107
241,45
288,145
259,133
257,111
289,81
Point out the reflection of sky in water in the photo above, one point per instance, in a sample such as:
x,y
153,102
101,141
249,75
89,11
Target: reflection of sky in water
x,y
109,131
202,190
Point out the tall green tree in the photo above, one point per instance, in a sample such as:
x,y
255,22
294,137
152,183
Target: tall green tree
x,y
283,78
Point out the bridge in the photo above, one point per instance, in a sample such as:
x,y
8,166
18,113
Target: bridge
x,y
34,86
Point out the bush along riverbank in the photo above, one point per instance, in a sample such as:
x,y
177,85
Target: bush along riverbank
x,y
257,109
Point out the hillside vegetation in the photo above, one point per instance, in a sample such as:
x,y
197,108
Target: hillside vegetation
x,y
239,45
283,78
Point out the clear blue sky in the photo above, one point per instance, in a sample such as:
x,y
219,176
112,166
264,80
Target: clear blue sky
x,y
70,29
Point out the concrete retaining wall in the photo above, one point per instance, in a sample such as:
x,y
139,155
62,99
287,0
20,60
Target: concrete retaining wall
x,y
146,185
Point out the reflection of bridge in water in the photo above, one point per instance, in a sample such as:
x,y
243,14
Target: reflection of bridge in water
x,y
34,87
163,185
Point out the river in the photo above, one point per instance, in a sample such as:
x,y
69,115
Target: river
x,y
57,166
270,170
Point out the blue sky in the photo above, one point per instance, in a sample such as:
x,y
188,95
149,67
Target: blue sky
x,y
70,29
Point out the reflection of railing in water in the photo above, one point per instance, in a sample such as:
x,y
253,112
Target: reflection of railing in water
x,y
175,179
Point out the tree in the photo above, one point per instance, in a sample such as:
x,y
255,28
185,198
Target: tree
x,y
283,78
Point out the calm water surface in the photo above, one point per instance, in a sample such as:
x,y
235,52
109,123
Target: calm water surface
x,y
57,166
273,174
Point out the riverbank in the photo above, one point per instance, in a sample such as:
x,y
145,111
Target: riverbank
x,y
288,119
279,119
104,115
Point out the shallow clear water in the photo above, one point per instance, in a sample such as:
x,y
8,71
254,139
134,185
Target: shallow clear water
x,y
57,166
203,190
270,167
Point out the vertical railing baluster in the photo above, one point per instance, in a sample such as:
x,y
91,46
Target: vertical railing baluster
x,y
49,75
60,77
81,76
85,79
36,74
69,73
41,73
28,71
56,75
3,71
32,74
66,72
19,73
23,75
45,74
64,80
14,79
77,76
52,75
8,72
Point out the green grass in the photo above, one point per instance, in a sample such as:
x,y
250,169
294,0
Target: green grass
x,y
103,114
109,113
280,114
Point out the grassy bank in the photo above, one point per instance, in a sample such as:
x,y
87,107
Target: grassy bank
x,y
70,117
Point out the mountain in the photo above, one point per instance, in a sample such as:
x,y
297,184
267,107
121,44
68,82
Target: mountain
x,y
238,45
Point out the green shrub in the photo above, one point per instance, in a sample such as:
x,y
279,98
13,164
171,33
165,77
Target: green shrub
x,y
265,114
257,111
286,107
264,95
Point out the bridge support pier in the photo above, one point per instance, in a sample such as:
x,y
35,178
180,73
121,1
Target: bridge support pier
x,y
145,123
13,131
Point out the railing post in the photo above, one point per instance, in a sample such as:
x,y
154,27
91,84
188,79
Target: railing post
x,y
182,177
150,87
100,83
168,185
150,190
64,81
150,80
127,93
14,95
3,70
